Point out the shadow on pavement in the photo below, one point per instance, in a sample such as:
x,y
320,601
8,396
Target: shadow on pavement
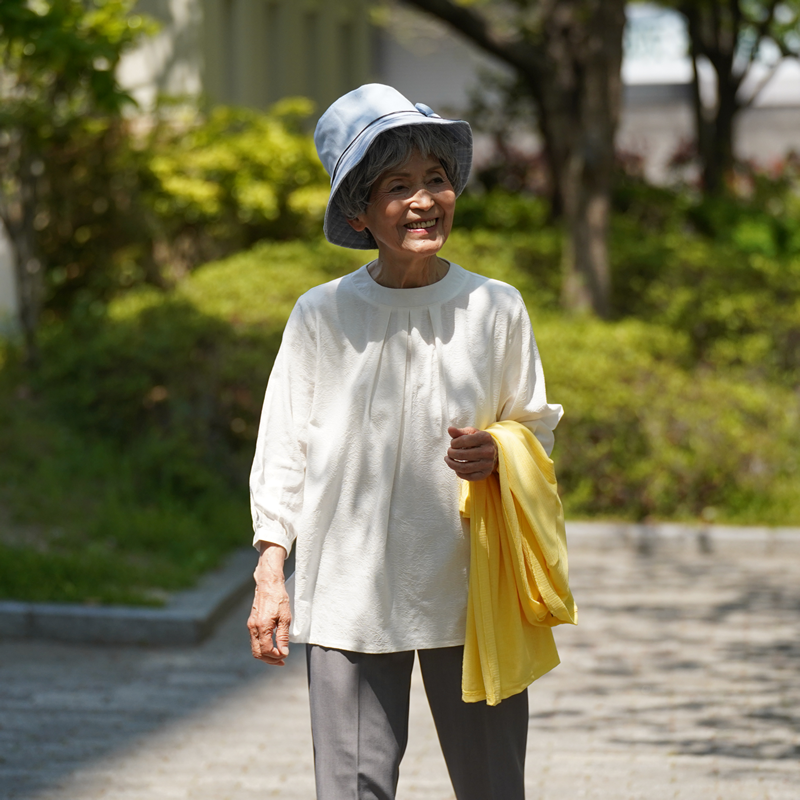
x,y
64,706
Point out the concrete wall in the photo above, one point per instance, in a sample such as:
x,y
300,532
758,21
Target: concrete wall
x,y
172,61
253,52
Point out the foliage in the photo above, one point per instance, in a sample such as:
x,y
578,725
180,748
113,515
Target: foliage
x,y
125,460
222,182
94,232
127,206
96,203
725,271
125,456
58,60
83,519
57,73
645,435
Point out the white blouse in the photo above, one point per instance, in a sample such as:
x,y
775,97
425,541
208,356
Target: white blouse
x,y
349,462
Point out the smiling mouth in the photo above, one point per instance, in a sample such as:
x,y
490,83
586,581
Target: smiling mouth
x,y
422,224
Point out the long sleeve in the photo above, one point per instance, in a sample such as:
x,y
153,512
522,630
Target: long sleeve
x,y
278,473
523,397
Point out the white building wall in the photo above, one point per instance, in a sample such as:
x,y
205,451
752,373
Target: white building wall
x,y
424,60
8,293
170,62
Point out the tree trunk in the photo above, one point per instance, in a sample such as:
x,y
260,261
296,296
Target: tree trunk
x,y
714,32
580,108
19,223
720,157
570,59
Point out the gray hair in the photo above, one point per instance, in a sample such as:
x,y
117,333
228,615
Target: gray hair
x,y
392,149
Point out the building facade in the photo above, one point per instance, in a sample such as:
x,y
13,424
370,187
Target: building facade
x,y
253,52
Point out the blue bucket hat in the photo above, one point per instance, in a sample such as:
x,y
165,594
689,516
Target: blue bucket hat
x,y
348,128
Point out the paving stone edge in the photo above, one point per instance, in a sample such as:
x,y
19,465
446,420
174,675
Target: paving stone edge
x,y
190,616
187,618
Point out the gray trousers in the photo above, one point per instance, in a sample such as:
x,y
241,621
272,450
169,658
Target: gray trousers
x,y
359,722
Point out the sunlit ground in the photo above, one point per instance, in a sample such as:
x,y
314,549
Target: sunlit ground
x,y
679,682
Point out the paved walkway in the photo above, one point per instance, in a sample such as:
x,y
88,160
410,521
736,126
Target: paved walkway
x,y
681,681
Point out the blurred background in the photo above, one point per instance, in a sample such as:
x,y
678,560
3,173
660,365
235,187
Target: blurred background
x,y
637,177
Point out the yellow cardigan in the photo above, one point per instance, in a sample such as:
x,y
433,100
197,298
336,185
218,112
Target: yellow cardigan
x,y
518,582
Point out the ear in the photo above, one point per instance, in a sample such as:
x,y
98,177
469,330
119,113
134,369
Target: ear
x,y
357,224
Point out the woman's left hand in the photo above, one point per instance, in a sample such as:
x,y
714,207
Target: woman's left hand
x,y
472,454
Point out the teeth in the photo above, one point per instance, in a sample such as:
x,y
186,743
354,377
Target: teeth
x,y
428,224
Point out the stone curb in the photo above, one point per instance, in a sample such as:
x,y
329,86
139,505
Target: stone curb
x,y
187,618
190,616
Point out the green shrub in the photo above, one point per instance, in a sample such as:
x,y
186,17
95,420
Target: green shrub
x,y
643,436
725,271
221,182
126,207
648,431
132,444
501,210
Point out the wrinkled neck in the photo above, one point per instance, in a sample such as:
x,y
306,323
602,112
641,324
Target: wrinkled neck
x,y
408,274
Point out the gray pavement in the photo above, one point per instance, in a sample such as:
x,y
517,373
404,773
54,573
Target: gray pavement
x,y
681,681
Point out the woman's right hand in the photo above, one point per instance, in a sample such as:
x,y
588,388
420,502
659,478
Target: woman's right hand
x,y
270,616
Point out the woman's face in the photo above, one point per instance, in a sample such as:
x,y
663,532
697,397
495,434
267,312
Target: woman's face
x,y
410,209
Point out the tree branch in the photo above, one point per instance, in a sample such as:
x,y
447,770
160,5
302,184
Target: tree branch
x,y
761,86
763,31
478,29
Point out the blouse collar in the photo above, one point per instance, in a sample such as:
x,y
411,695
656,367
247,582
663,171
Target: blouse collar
x,y
439,292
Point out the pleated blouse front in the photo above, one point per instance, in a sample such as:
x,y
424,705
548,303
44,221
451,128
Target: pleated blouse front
x,y
349,459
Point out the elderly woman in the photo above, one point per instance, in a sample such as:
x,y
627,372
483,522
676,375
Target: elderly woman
x,y
377,405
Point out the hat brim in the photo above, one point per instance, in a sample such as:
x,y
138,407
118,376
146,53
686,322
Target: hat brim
x,y
336,227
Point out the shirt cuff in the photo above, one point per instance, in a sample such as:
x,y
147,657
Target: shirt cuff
x,y
272,537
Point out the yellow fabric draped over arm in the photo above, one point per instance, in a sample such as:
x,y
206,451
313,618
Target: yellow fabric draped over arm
x,y
518,582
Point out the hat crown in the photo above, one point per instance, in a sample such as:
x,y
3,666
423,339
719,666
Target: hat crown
x,y
351,114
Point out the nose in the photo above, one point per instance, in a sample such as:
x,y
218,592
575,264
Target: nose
x,y
422,198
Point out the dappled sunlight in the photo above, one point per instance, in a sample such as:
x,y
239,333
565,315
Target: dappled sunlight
x,y
679,682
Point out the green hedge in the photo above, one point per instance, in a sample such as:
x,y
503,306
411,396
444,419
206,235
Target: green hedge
x,y
125,459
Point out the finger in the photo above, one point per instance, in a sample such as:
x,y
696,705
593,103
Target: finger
x,y
473,454
282,635
474,476
474,473
472,440
455,433
470,464
273,654
255,646
273,661
264,650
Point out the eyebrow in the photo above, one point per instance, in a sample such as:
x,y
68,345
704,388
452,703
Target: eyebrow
x,y
405,173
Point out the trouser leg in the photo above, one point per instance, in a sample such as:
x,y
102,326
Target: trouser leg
x,y
359,721
483,746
